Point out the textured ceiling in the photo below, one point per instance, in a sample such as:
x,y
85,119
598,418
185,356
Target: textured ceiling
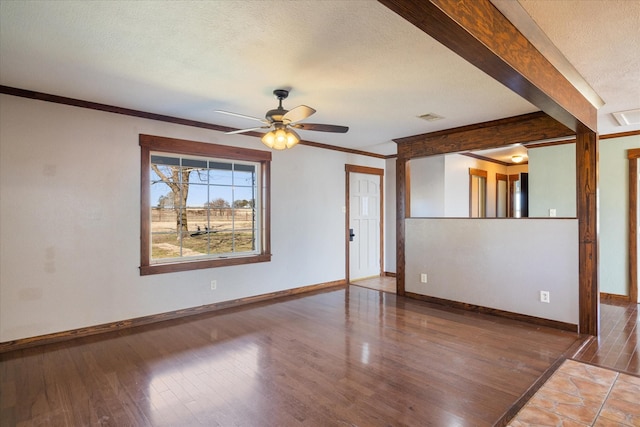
x,y
355,62
601,39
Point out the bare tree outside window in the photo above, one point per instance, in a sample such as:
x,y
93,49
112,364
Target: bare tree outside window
x,y
203,205
177,179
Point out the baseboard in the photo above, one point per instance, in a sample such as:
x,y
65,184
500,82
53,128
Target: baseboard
x,y
23,343
614,297
495,312
389,274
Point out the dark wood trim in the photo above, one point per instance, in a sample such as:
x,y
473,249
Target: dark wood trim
x,y
364,169
517,14
369,171
478,172
633,153
389,274
587,210
146,270
495,312
573,140
266,206
488,159
529,145
620,134
491,134
23,93
614,297
340,149
402,210
478,32
55,337
632,234
149,143
183,146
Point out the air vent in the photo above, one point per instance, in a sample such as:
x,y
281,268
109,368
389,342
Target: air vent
x,y
430,117
626,118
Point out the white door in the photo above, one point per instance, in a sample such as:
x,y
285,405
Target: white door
x,y
364,221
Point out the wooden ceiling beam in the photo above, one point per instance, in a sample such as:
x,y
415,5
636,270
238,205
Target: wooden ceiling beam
x,y
479,33
496,133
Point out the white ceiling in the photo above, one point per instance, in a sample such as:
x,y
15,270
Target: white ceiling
x,y
356,62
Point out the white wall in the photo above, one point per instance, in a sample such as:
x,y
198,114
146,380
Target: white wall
x,y
390,216
439,185
552,180
427,186
614,213
457,184
69,221
496,263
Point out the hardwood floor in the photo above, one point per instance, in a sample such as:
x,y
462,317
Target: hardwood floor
x,y
617,346
378,283
351,356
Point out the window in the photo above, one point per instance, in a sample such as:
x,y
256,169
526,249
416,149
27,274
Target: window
x,y
202,205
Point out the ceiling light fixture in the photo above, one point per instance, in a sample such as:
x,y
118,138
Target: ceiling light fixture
x,y
280,138
517,158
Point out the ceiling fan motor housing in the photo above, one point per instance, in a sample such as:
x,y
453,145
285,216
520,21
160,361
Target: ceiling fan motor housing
x,y
276,114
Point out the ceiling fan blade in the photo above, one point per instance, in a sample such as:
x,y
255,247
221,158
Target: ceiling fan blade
x,y
321,127
240,115
233,132
301,112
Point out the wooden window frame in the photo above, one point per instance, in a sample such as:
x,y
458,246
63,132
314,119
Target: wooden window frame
x,y
150,143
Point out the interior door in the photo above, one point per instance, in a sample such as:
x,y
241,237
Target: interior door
x,y
364,225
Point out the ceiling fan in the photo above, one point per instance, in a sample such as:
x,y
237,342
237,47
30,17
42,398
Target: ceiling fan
x,y
281,121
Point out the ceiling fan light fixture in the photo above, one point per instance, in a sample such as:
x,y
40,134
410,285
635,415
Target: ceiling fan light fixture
x,y
280,139
269,139
292,138
280,121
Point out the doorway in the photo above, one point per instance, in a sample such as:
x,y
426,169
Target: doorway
x,y
364,222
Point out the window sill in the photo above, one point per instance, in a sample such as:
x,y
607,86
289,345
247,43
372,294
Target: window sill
x,y
146,270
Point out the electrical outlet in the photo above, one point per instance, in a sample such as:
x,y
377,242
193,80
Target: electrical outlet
x,y
552,212
544,296
423,277
214,285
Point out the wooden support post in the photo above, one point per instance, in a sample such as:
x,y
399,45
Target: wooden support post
x,y
587,207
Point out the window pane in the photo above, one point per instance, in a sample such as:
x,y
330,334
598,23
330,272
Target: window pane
x,y
244,175
193,163
161,160
164,245
245,240
201,208
161,195
198,195
220,177
243,196
163,220
198,175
